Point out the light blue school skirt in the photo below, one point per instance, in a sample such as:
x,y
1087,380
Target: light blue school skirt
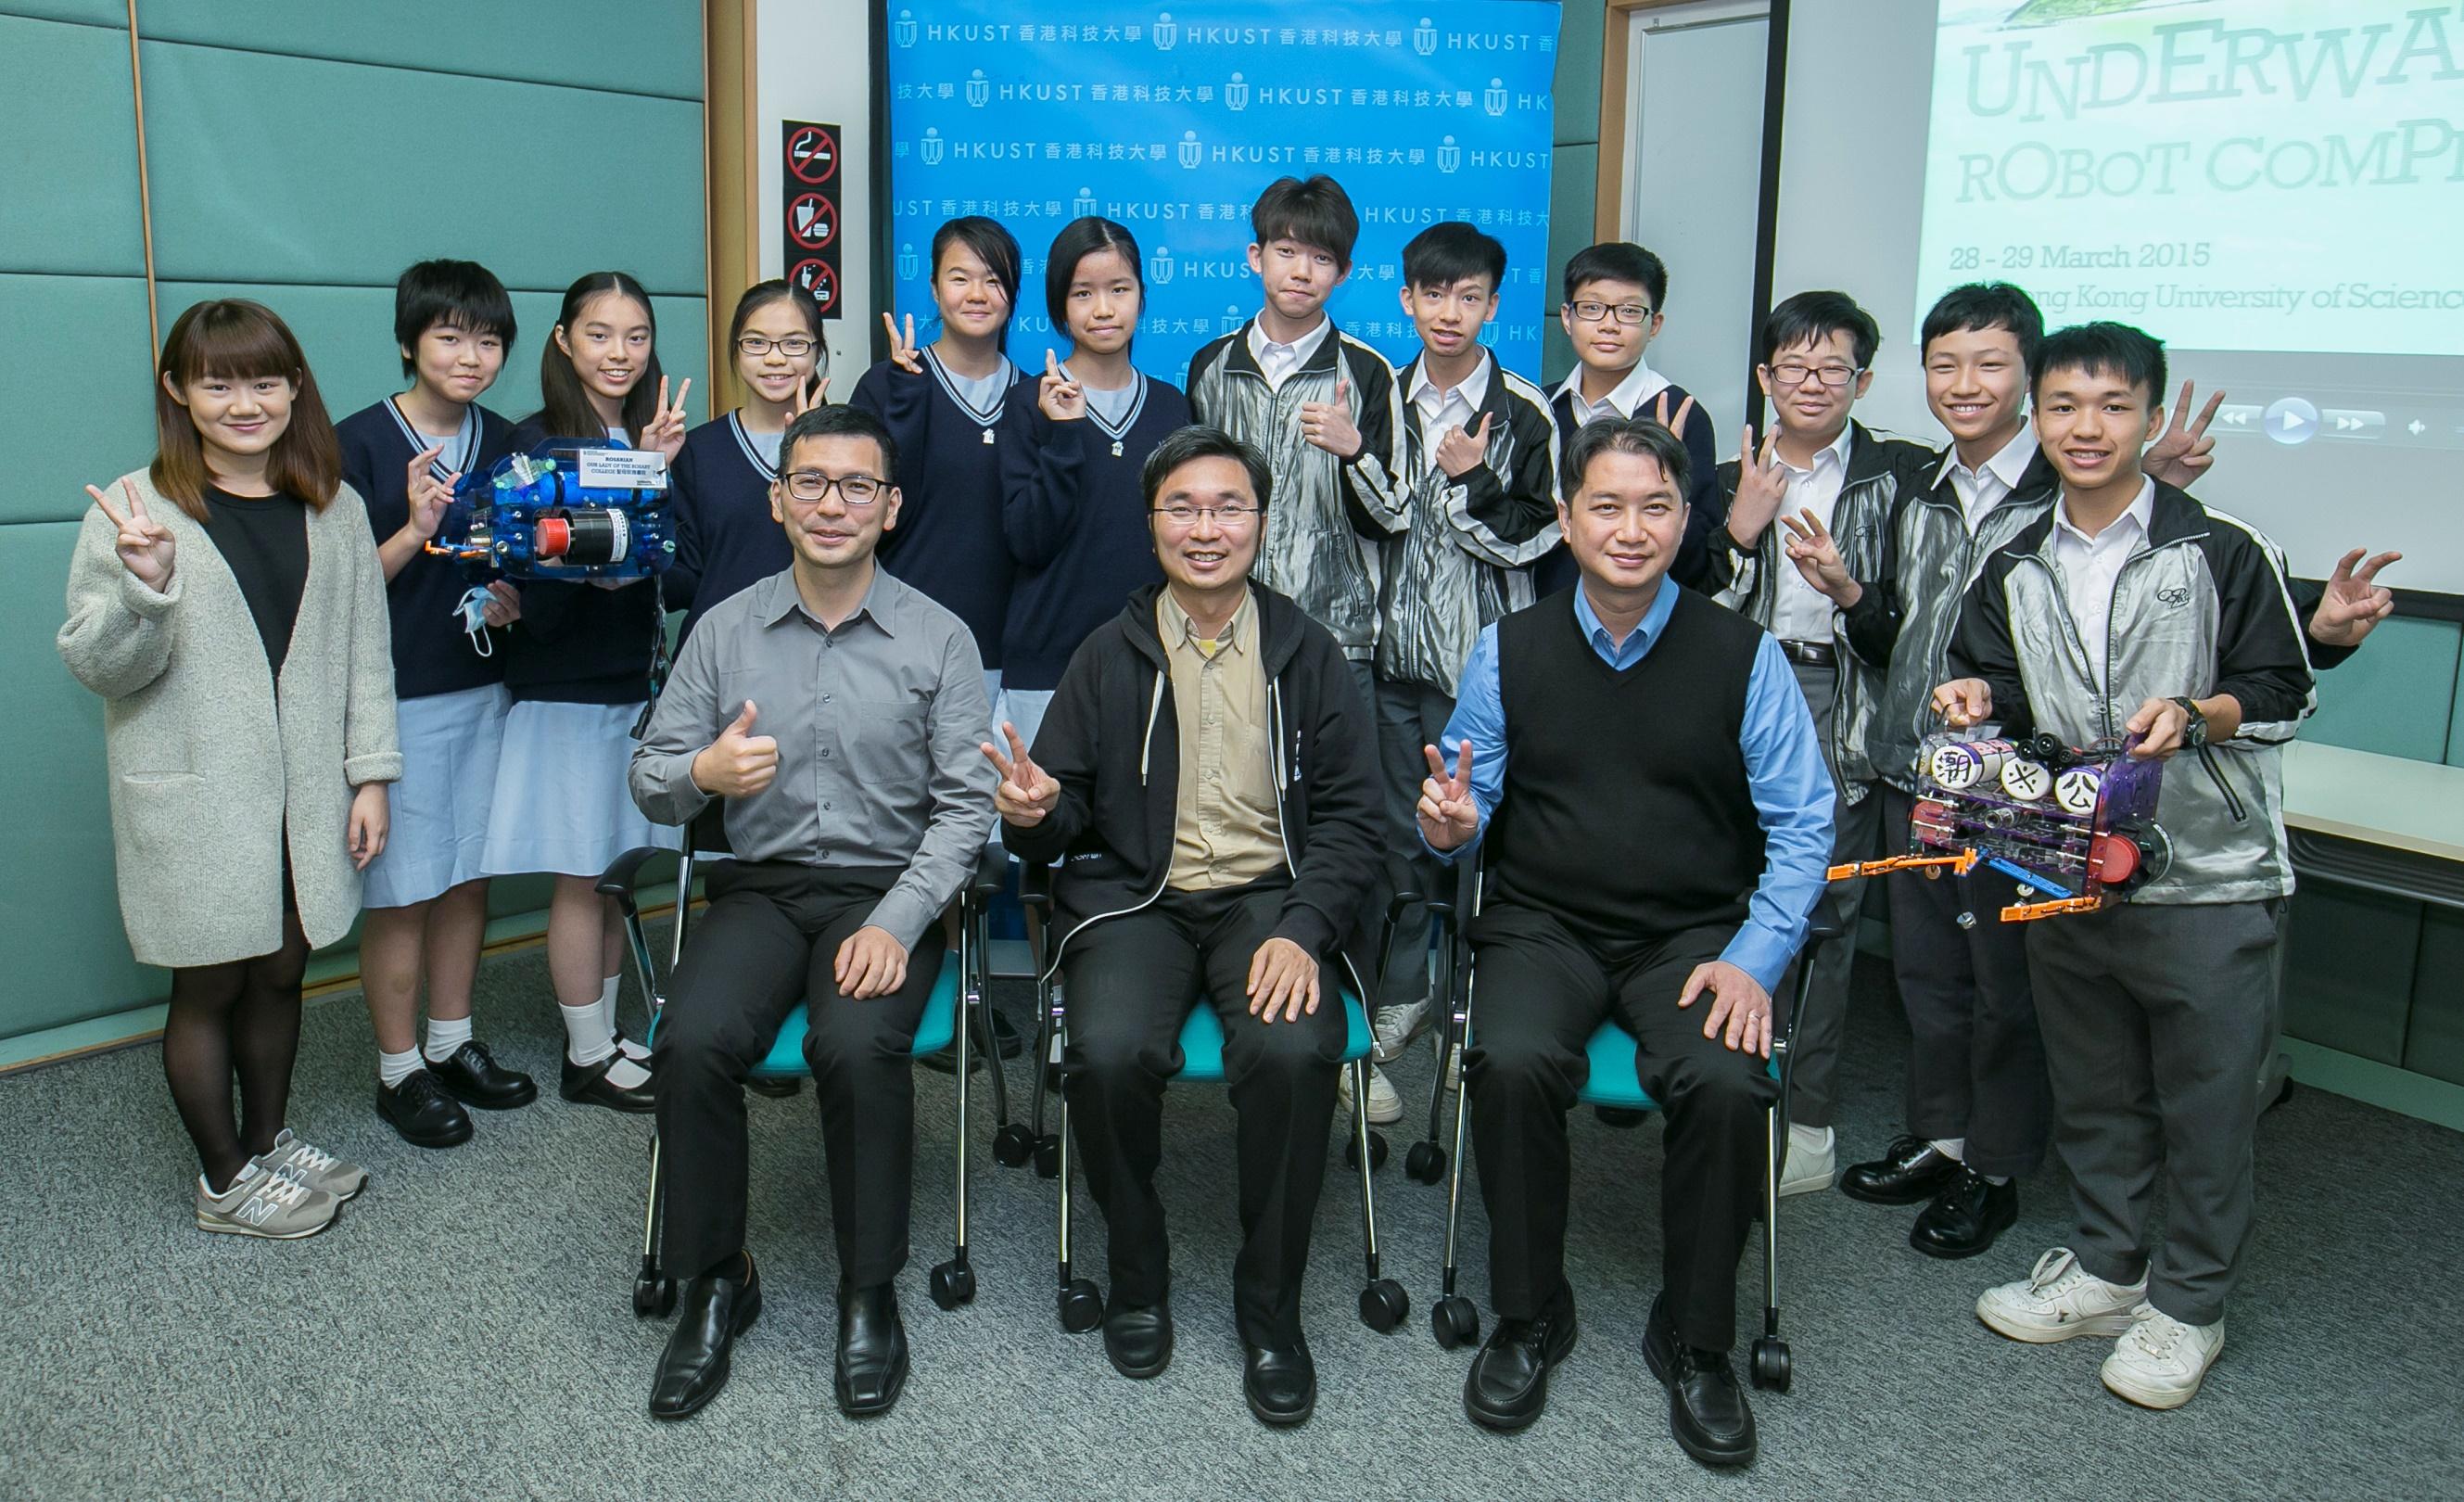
x,y
438,813
561,803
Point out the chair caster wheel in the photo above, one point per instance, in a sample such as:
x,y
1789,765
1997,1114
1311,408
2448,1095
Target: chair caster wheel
x,y
1620,1117
954,1282
1013,1145
1047,1156
1455,1320
1770,1363
1425,1162
775,1088
1081,1308
1384,1305
1377,1151
654,1297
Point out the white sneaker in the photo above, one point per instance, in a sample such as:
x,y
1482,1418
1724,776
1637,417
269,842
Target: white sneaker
x,y
1812,1160
1385,1105
1454,1072
2160,1360
1395,1026
261,1203
320,1170
2060,1300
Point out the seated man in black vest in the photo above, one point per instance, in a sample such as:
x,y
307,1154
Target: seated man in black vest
x,y
1207,775
1658,821
837,712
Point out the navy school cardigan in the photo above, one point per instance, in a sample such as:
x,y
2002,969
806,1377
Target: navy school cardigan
x,y
431,653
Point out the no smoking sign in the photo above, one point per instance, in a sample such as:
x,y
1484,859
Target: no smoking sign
x,y
809,209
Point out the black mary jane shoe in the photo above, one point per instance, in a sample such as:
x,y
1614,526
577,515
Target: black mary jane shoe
x,y
422,1112
1138,1337
694,1365
1507,1385
1967,1216
588,1085
873,1351
472,1075
1281,1386
1914,1170
1706,1409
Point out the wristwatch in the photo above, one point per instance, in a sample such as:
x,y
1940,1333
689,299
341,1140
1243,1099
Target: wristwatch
x,y
2194,729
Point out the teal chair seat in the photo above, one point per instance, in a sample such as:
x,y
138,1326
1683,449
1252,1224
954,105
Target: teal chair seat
x,y
1615,1082
937,1030
1201,1041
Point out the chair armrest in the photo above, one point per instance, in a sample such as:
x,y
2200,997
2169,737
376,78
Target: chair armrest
x,y
1824,924
992,873
623,877
1035,886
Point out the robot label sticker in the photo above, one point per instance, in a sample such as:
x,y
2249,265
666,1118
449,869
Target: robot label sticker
x,y
2028,781
621,469
2075,790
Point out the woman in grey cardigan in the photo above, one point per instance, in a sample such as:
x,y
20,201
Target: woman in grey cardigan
x,y
225,603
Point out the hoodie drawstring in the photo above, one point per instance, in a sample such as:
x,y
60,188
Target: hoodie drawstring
x,y
1154,708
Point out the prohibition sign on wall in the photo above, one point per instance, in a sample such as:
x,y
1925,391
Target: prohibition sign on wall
x,y
808,211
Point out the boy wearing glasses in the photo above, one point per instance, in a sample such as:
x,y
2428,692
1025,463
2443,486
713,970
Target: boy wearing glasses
x,y
1801,543
1207,778
837,712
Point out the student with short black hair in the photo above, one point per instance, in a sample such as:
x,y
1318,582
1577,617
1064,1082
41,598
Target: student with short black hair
x,y
2132,610
1617,301
1070,493
945,405
427,895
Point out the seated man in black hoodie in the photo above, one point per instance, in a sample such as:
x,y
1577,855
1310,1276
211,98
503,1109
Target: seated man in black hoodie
x,y
1241,881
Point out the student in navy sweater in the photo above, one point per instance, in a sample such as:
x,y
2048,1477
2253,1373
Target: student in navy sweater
x,y
579,672
719,485
427,893
944,406
1070,480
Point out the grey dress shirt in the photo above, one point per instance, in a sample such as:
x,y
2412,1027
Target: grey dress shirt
x,y
877,724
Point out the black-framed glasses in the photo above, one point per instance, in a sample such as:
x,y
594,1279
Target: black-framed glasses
x,y
1182,513
1793,375
1633,315
855,490
795,346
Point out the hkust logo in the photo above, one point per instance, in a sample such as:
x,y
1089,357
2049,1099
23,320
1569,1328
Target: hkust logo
x,y
1449,155
1424,36
1164,32
909,264
1236,94
1492,99
1084,204
1232,319
1192,149
903,30
931,148
1159,265
980,90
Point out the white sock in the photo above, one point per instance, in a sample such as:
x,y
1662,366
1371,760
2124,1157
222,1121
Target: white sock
x,y
444,1037
589,1039
1996,1180
1954,1148
608,1009
1812,1138
392,1068
246,1171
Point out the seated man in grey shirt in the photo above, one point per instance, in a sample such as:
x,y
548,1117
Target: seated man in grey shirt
x,y
837,712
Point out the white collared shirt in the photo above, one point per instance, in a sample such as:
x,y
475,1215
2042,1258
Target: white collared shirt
x,y
2090,565
1988,485
1799,611
1280,361
1641,384
1457,407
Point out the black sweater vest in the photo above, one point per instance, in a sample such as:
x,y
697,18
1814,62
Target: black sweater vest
x,y
1626,812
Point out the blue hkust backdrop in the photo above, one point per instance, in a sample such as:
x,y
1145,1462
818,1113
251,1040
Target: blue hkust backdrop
x,y
1172,120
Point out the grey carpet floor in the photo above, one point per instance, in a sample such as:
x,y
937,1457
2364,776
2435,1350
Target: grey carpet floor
x,y
465,1331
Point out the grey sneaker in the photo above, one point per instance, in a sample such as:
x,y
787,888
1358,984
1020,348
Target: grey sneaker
x,y
1395,1026
320,1170
261,1203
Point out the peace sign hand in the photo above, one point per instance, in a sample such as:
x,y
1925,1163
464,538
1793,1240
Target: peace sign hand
x,y
1460,452
1676,424
1450,815
1816,553
145,545
813,391
1329,425
902,346
666,429
1061,399
429,495
2355,602
1026,792
2180,455
1762,485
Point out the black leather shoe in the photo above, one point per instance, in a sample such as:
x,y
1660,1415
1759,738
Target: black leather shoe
x,y
422,1112
1966,1217
1913,1170
1508,1382
1706,1409
873,1351
694,1367
587,1085
473,1076
1281,1386
1138,1338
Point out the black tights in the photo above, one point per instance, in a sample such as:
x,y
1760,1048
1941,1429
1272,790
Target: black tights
x,y
238,1018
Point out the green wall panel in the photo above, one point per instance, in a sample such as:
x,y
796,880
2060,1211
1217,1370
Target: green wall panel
x,y
1573,173
639,45
1577,88
336,196
2455,720
2350,970
68,955
2433,1044
2396,695
83,351
113,14
68,117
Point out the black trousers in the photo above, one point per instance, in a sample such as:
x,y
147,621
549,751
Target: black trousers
x,y
1540,991
1131,982
1976,1061
769,940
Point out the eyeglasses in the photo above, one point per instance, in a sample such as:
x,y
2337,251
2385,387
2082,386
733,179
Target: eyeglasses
x,y
795,346
1629,314
855,490
1181,515
1794,374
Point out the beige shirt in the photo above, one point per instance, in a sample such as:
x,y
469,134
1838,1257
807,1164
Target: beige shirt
x,y
1226,829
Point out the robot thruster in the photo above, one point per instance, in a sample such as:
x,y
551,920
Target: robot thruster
x,y
569,509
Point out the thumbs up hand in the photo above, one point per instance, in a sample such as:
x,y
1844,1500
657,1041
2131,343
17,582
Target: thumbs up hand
x,y
738,763
1329,425
1460,452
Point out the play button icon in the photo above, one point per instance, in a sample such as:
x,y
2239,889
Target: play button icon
x,y
2290,420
